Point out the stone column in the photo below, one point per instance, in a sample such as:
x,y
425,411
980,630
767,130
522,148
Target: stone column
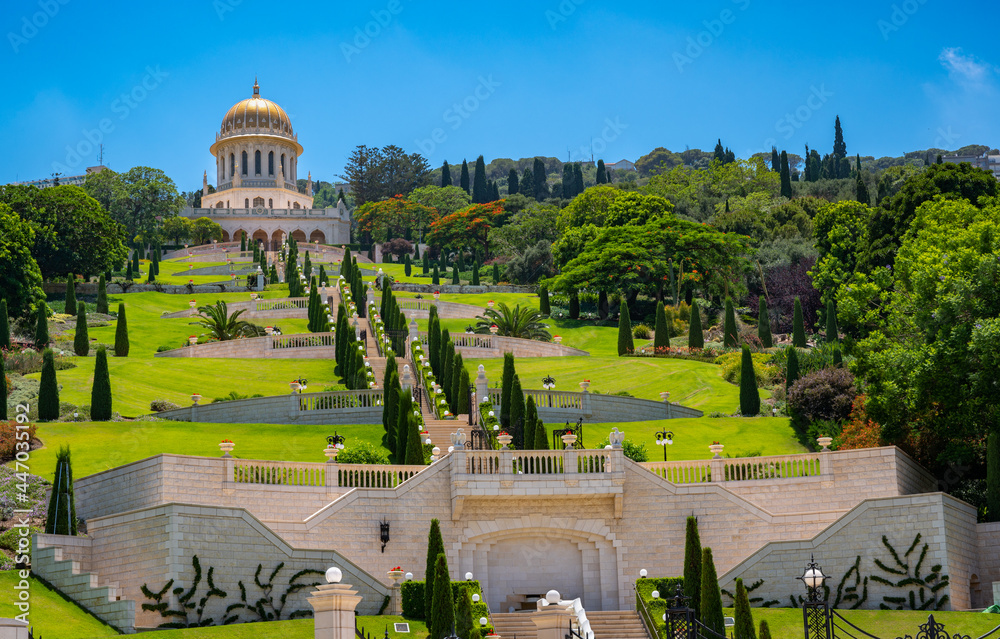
x,y
13,629
552,621
414,331
406,379
334,604
482,384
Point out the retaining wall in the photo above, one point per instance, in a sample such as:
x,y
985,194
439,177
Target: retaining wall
x,y
336,407
301,346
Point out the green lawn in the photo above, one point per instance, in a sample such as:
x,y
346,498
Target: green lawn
x,y
50,614
787,622
99,446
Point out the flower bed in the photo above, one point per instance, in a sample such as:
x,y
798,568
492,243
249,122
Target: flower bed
x,y
426,376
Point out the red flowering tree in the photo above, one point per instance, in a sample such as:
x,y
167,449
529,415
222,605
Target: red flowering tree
x,y
395,215
467,227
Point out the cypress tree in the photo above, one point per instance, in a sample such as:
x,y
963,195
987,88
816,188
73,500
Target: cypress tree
x,y
578,186
692,564
426,265
625,344
70,295
786,179
414,443
121,333
465,176
662,337
541,181
496,273
512,182
407,266
458,391
765,630
731,336
764,323
527,184
102,295
390,409
480,192
436,279
447,365
507,389
574,305
668,313
442,615
128,271
243,242
838,357
445,174
463,405
775,161
3,392
541,437
390,368
151,273
832,333
435,547
61,519
454,275
404,413
135,264
744,618
791,367
42,326
475,273
517,410
567,181
696,338
274,275
416,250
798,326
749,397
602,172
100,394
861,190
48,390
839,147
4,325
81,340
434,342
993,476
711,597
543,301
530,421
465,625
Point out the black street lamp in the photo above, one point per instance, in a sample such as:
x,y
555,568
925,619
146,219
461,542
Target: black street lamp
x,y
664,438
473,406
815,611
335,441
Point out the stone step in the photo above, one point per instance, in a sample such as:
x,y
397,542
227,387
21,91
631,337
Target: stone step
x,y
612,624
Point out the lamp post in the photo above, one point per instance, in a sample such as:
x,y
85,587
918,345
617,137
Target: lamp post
x,y
664,438
815,611
472,404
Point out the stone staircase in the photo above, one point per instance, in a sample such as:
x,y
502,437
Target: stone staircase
x,y
612,624
514,624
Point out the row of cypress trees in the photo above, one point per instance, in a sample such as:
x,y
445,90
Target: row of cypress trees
x,y
349,356
102,295
515,410
100,394
317,311
400,419
351,273
393,318
443,612
448,366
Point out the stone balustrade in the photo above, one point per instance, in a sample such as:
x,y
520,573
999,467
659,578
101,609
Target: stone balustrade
x,y
333,407
559,406
329,475
740,469
297,346
483,346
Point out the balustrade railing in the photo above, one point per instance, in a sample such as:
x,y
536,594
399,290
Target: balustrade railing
x,y
303,341
374,476
279,473
279,305
738,469
332,400
556,399
537,462
681,472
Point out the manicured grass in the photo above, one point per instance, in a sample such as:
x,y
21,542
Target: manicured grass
x,y
99,446
50,615
787,622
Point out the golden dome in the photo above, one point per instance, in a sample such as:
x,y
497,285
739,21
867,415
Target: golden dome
x,y
256,115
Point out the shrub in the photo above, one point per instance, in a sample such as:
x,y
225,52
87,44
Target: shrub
x,y
441,619
102,295
9,439
362,453
121,333
641,331
160,405
81,340
635,452
48,391
732,367
163,348
233,396
824,395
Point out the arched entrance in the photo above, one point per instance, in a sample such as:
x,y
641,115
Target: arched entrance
x,y
225,235
276,240
260,237
522,569
317,236
299,235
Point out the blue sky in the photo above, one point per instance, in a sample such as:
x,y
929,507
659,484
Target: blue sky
x,y
512,79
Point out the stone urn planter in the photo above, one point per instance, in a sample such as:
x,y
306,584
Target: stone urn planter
x,y
331,454
196,398
716,450
568,440
395,575
824,442
665,395
557,339
584,385
504,440
226,447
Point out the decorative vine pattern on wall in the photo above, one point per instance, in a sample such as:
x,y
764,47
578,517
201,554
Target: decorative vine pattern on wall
x,y
922,593
191,611
754,601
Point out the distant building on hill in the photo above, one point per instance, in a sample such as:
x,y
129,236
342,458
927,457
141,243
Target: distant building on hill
x,y
621,164
985,161
75,180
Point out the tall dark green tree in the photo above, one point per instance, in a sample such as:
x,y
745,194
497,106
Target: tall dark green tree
x,y
731,335
464,180
861,190
602,172
100,393
578,187
839,146
445,174
993,476
786,177
442,610
458,391
414,444
567,181
720,152
696,338
744,628
765,630
480,194
517,409
625,343
436,278
102,295
407,266
530,421
3,392
775,160
81,340
527,184
4,325
541,437
798,326
662,337
543,301
121,333
48,389
512,182
475,273
455,276
466,626
764,323
70,308
574,305
541,183
61,516
749,396
404,411
711,597
435,547
496,273
506,389
832,332
692,564
41,325
791,367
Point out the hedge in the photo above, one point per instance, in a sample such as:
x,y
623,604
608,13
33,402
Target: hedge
x,y
412,594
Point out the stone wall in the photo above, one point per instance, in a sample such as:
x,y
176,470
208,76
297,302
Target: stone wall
x,y
450,289
90,288
477,346
988,551
313,346
360,407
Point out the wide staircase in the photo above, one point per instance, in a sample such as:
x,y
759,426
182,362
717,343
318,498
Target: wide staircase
x,y
612,624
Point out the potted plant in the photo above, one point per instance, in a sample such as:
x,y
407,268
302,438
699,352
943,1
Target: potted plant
x,y
716,449
226,446
395,574
504,439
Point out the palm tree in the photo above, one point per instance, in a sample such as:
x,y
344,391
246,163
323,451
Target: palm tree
x,y
222,326
525,323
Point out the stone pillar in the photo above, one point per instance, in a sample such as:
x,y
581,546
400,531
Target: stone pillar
x,y
414,331
585,401
13,629
552,621
996,593
334,605
482,384
406,379
370,297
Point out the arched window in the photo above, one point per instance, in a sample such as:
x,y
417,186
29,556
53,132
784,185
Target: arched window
x,y
245,169
270,163
256,162
296,205
232,165
218,205
258,201
283,171
222,166
246,203
270,203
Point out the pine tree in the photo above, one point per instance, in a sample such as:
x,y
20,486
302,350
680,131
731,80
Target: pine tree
x,y
775,161
661,339
602,172
541,183
61,519
574,305
798,326
512,182
530,421
711,597
749,396
480,195
81,340
454,275
764,323
832,332
625,344
404,412
731,335
42,326
121,333
496,273
527,184
48,389
135,264
744,628
507,389
993,476
70,295
692,564
435,547
102,295
4,325
464,183
465,624
696,338
791,367
786,180
517,410
765,630
100,394
3,392
543,301
442,611
426,264
445,174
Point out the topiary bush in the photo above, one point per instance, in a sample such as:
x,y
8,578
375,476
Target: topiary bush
x,y
732,363
160,405
821,396
641,331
